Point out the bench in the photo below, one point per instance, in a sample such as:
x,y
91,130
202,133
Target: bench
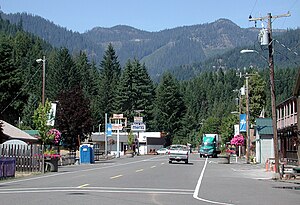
x,y
289,171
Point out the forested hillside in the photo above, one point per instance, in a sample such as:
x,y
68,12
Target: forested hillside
x,y
85,90
160,51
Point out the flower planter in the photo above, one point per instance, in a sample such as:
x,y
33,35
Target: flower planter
x,y
129,154
51,164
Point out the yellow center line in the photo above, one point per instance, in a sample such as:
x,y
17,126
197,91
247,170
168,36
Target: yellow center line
x,y
81,186
153,167
114,177
140,170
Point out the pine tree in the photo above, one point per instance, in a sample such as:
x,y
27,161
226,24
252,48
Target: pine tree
x,y
135,92
144,92
10,82
109,78
124,99
61,73
169,107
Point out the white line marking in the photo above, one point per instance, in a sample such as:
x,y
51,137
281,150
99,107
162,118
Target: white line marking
x,y
196,192
84,185
97,189
139,170
114,177
152,167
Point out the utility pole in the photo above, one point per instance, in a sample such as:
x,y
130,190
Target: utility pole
x,y
247,120
269,17
248,142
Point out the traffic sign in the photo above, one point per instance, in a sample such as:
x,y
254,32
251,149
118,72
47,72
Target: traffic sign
x,y
109,130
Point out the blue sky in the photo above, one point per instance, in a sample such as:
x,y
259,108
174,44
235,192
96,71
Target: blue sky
x,y
154,15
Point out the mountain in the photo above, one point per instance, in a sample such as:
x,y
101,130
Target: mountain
x,y
166,49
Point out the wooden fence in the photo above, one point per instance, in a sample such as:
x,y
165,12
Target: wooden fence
x,y
28,157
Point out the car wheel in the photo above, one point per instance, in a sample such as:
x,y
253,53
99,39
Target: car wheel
x,y
170,162
186,161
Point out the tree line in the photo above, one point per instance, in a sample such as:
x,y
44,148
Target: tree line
x,y
85,91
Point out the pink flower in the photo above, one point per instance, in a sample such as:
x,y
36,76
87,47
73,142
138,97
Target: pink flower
x,y
55,135
237,140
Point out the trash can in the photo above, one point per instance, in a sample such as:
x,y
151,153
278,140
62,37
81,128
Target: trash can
x,y
7,167
86,154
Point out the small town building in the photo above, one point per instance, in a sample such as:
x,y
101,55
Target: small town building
x,y
264,147
146,141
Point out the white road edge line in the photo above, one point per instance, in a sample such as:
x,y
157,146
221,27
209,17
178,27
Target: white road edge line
x,y
196,192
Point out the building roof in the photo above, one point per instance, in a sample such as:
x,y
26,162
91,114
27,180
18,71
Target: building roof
x,y
15,133
264,126
32,132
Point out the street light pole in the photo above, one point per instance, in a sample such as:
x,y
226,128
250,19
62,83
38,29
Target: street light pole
x,y
43,78
43,102
247,119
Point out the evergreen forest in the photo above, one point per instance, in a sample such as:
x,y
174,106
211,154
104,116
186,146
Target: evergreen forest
x,y
85,90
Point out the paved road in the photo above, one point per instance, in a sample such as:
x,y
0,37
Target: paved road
x,y
151,180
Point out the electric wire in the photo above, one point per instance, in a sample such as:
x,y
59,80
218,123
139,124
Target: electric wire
x,y
13,100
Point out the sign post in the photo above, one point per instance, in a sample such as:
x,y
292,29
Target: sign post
x,y
117,125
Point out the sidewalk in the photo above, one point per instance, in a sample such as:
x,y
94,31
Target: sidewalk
x,y
259,171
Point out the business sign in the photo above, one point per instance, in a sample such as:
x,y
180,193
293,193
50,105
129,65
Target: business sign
x,y
243,124
51,115
117,126
138,119
109,130
138,127
236,130
118,116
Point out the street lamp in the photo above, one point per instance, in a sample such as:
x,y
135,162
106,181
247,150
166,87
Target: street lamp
x,y
44,76
43,101
252,51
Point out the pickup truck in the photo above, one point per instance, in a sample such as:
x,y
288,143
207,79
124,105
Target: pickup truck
x,y
178,153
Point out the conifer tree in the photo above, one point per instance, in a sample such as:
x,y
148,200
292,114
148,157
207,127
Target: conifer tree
x,y
169,107
10,82
109,78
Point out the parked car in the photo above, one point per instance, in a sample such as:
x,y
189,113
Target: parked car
x,y
162,151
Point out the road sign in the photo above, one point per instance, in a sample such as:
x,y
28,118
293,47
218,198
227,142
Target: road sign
x,y
138,127
243,123
109,130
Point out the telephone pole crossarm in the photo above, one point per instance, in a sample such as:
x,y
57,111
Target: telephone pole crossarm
x,y
267,17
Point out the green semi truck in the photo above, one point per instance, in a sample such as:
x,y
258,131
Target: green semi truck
x,y
210,145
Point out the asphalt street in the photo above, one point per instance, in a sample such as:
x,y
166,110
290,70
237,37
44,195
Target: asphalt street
x,y
151,180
